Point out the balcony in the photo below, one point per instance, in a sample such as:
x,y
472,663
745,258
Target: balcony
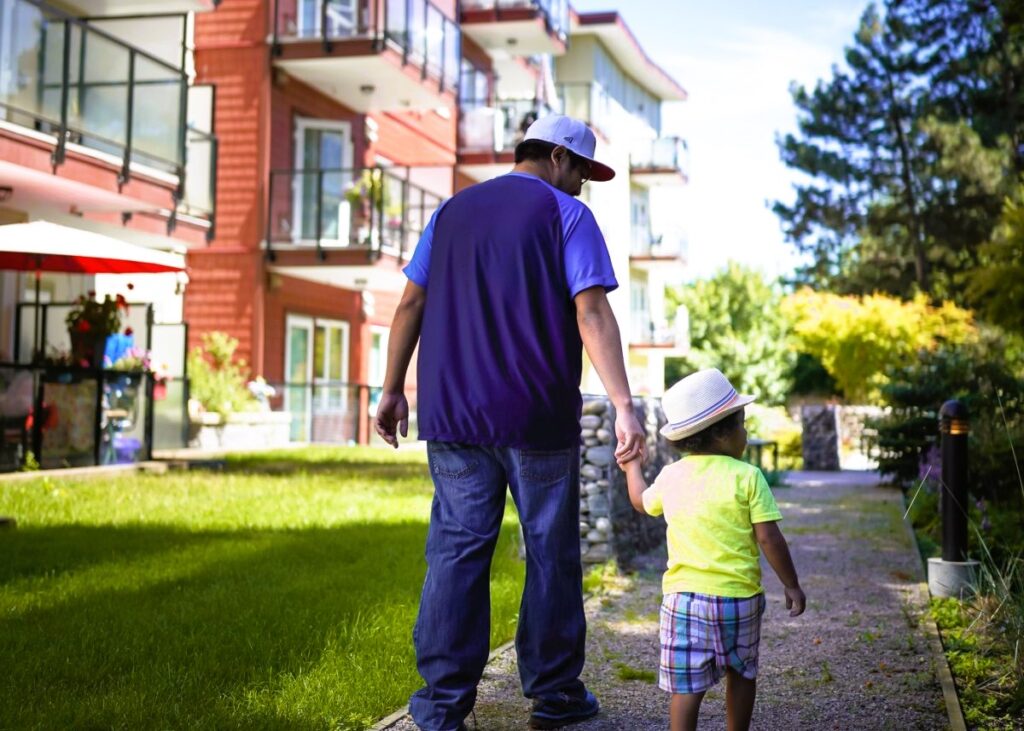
x,y
490,131
346,217
645,334
663,161
79,84
370,55
647,251
517,27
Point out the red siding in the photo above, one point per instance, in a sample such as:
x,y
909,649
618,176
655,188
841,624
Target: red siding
x,y
290,296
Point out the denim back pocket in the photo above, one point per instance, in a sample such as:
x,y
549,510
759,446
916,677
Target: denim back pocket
x,y
450,461
545,467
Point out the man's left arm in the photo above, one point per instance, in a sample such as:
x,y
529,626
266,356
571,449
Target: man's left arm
x,y
393,410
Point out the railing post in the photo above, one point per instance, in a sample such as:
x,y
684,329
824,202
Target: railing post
x,y
953,575
319,213
276,43
323,26
214,152
444,47
126,166
426,38
408,34
269,213
58,156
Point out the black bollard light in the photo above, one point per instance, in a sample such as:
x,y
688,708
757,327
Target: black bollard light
x,y
954,426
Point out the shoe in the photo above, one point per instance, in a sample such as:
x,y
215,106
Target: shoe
x,y
563,710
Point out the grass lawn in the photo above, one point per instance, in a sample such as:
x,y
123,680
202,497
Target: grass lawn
x,y
279,592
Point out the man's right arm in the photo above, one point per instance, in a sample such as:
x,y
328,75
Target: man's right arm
x,y
393,410
600,333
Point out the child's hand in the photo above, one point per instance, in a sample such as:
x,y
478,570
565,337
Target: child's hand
x,y
626,464
795,601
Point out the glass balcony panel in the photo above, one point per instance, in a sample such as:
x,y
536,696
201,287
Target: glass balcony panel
x,y
435,27
397,29
98,90
452,54
158,107
200,172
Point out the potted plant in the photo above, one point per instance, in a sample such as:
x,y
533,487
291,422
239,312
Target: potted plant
x,y
89,323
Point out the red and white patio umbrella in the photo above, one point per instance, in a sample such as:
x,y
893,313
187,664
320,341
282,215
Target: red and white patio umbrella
x,y
41,246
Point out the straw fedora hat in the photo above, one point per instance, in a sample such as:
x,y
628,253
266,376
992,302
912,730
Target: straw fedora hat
x,y
698,401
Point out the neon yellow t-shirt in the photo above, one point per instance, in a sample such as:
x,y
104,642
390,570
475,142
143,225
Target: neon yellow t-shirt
x,y
710,503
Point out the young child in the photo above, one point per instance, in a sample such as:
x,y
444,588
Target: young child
x,y
718,510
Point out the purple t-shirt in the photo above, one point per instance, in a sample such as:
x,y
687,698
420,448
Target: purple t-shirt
x,y
500,352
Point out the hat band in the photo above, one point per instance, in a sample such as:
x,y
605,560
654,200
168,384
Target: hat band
x,y
721,404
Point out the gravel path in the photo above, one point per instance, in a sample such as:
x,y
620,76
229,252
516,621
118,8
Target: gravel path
x,y
857,659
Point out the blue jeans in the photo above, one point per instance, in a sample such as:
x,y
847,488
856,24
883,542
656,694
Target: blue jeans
x,y
452,630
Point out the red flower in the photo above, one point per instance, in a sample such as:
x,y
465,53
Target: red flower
x,y
128,331
131,286
122,302
83,326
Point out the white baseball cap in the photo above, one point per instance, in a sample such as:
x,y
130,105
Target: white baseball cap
x,y
573,135
698,401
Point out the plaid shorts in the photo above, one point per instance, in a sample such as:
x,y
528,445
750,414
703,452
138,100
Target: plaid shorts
x,y
702,635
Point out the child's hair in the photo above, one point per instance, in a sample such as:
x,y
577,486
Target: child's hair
x,y
706,440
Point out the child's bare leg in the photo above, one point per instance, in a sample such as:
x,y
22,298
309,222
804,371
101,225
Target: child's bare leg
x,y
739,700
683,710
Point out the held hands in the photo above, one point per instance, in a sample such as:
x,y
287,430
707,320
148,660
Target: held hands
x,y
631,437
393,411
795,601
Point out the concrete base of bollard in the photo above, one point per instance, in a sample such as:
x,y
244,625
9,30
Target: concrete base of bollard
x,y
952,578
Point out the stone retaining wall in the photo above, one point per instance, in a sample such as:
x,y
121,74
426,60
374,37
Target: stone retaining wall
x,y
609,526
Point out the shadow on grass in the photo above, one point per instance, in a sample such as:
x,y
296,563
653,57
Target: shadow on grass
x,y
156,627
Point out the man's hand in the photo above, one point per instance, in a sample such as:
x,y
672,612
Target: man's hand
x,y
631,435
795,601
392,411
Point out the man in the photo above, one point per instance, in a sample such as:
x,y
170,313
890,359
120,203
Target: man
x,y
506,287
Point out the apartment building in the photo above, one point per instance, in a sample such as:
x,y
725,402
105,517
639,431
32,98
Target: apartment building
x,y
103,136
343,124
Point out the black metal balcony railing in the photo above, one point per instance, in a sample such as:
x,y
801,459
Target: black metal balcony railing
x,y
377,209
664,153
497,125
66,78
423,34
556,12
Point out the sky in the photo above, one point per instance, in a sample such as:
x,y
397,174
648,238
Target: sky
x,y
736,59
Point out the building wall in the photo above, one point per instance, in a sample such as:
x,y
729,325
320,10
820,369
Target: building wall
x,y
291,296
226,288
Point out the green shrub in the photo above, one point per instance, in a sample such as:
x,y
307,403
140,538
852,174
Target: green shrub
x,y
217,380
985,376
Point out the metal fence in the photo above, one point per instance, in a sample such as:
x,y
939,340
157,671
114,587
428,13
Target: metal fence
x,y
74,417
